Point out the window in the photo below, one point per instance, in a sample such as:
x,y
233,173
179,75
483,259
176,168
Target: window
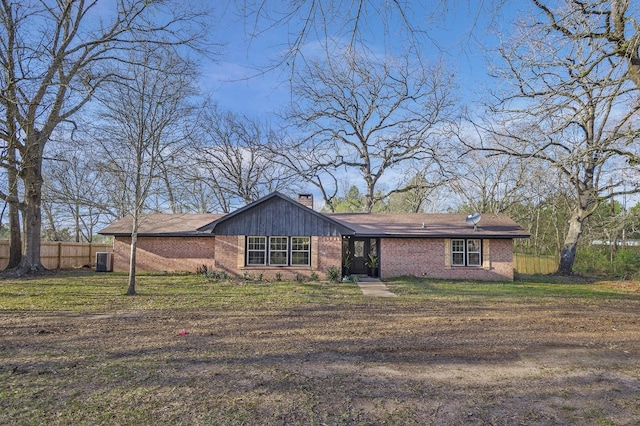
x,y
466,252
457,252
300,251
278,251
474,257
256,250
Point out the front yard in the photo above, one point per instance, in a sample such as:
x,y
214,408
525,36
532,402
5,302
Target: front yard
x,y
74,350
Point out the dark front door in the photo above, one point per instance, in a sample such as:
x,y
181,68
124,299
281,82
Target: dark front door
x,y
360,248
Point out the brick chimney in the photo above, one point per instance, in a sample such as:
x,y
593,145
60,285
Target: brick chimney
x,y
306,200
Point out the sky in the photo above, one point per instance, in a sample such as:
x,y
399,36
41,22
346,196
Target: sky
x,y
453,35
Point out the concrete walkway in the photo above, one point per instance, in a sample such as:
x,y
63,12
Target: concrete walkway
x,y
374,287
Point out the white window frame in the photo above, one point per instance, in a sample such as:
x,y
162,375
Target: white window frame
x,y
279,250
269,251
460,251
471,252
250,250
466,252
307,251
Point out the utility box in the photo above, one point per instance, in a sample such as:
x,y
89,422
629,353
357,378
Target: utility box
x,y
103,262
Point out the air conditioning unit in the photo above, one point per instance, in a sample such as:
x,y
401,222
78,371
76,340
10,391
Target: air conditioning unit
x,y
103,262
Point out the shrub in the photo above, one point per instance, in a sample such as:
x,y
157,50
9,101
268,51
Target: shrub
x,y
211,274
314,276
626,263
333,274
592,261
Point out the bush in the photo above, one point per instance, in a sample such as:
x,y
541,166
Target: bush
x,y
333,274
626,263
592,261
211,274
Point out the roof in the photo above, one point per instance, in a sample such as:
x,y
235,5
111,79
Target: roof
x,y
429,225
178,224
399,225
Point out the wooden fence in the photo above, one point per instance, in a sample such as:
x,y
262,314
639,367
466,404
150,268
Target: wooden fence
x,y
58,255
533,264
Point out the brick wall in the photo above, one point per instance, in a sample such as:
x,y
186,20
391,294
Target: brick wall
x,y
165,254
398,256
325,251
426,257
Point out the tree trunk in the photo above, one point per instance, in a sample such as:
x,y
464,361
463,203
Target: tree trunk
x,y
568,253
32,216
131,289
15,244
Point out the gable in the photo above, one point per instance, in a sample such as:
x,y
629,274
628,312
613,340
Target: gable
x,y
277,215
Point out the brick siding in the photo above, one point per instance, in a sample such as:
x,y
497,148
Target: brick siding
x,y
398,256
170,254
426,258
325,251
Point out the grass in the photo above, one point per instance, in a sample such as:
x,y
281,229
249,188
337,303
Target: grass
x,y
76,350
96,292
525,289
99,292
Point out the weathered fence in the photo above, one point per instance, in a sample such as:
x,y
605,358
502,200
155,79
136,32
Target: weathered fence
x,y
534,264
59,255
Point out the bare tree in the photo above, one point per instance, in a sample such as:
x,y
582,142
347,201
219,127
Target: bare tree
x,y
490,184
370,117
313,163
52,59
568,113
234,161
612,25
73,194
144,120
316,22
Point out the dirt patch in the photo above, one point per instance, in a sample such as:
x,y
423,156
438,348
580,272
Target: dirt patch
x,y
380,362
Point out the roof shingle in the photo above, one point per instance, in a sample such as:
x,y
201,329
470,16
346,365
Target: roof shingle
x,y
162,224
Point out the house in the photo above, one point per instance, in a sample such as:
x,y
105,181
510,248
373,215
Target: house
x,y
278,236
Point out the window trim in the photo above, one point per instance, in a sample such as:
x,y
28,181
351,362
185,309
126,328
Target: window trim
x,y
466,253
285,251
267,252
469,252
250,250
307,251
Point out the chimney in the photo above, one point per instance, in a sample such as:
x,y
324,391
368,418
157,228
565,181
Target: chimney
x,y
306,200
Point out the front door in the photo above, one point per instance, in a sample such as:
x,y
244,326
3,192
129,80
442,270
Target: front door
x,y
360,249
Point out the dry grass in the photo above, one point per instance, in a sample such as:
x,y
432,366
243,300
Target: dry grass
x,y
74,350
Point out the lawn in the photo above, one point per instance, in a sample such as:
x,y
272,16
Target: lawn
x,y
75,350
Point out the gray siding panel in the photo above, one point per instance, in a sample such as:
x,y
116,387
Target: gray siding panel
x,y
278,217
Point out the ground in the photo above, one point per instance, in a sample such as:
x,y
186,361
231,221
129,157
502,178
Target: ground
x,y
338,358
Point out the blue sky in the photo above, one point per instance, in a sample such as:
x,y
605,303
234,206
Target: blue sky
x,y
454,35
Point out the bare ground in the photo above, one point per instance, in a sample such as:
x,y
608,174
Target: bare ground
x,y
377,362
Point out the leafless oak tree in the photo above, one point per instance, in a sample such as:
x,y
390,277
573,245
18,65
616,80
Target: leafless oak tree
x,y
52,62
73,194
568,111
612,25
232,160
370,117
